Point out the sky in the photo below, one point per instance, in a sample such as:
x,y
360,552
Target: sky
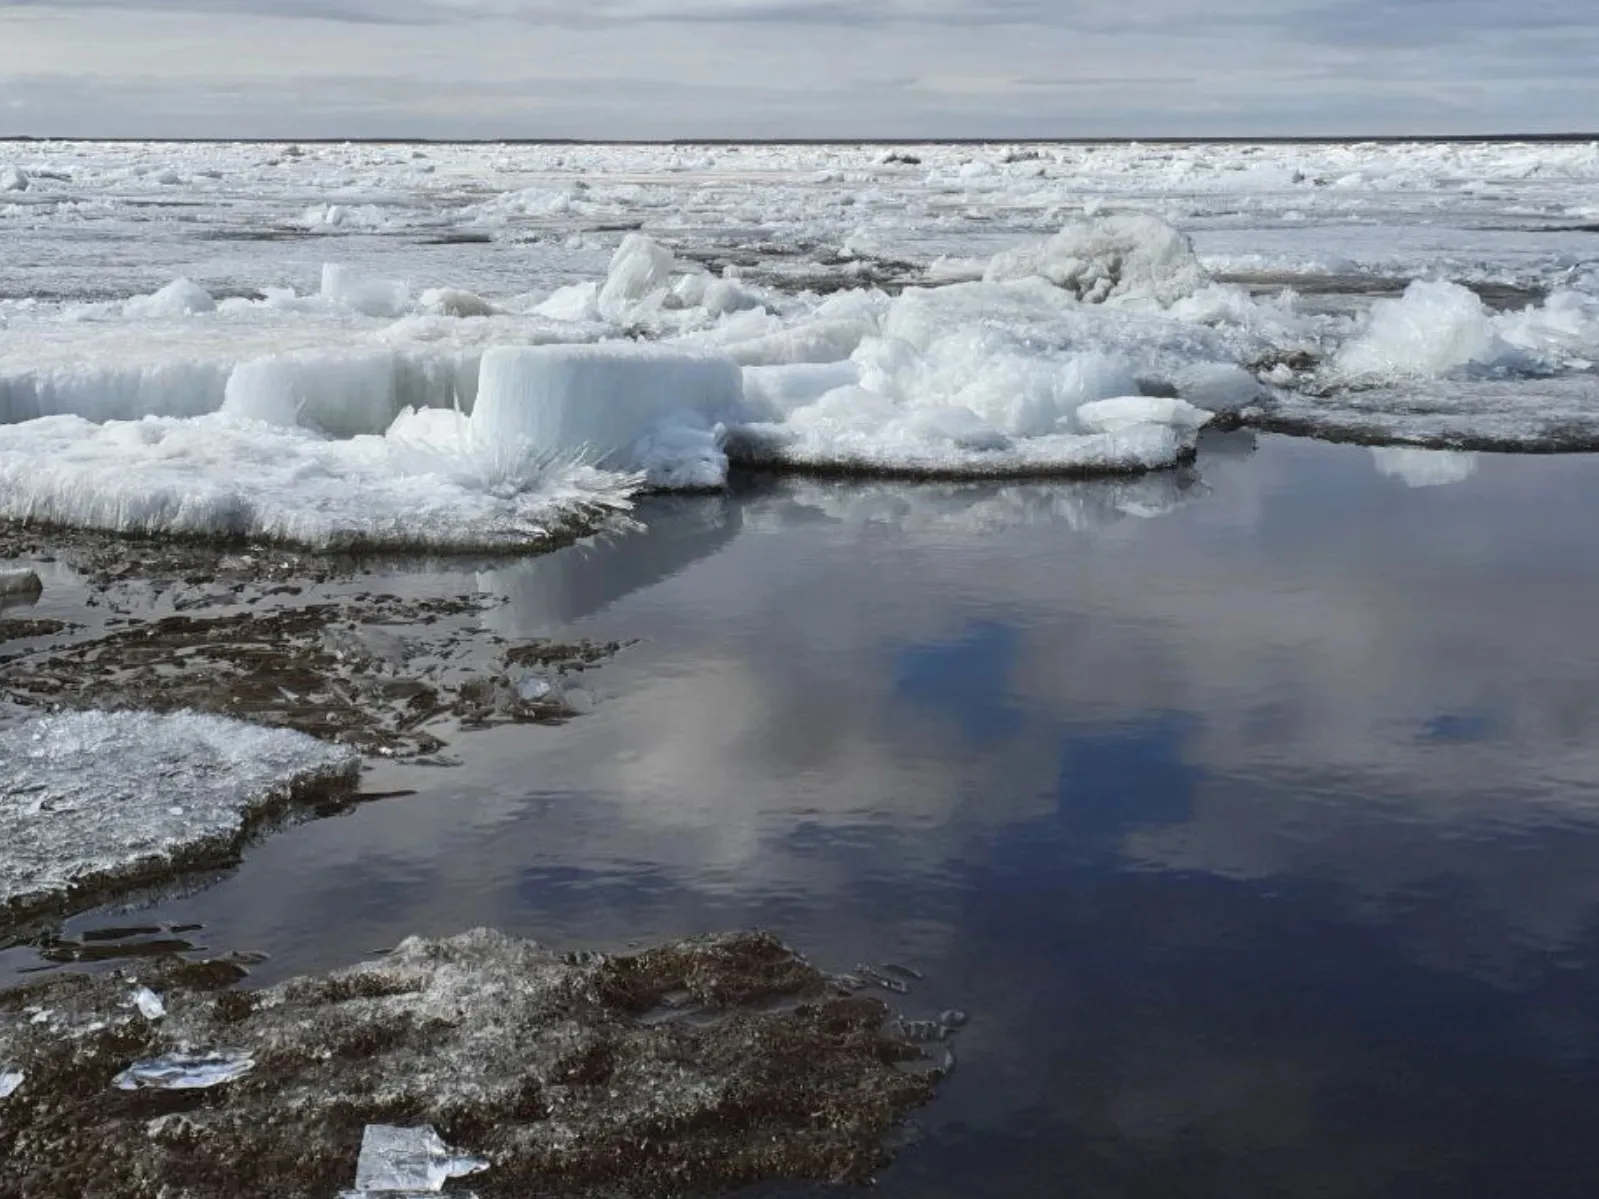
x,y
649,69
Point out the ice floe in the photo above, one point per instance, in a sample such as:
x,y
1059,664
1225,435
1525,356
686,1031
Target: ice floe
x,y
958,308
94,800
422,484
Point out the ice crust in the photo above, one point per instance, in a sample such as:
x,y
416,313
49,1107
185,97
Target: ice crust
x,y
92,800
423,484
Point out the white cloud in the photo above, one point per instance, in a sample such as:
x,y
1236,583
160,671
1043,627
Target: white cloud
x,y
765,68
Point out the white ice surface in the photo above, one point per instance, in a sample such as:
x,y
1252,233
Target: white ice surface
x,y
89,799
423,484
625,407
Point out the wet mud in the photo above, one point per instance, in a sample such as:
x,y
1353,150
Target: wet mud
x,y
695,1067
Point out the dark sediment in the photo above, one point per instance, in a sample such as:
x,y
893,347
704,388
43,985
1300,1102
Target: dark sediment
x,y
375,672
697,1066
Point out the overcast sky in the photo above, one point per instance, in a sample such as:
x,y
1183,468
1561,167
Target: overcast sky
x,y
795,68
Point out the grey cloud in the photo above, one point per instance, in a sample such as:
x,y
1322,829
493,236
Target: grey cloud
x,y
366,12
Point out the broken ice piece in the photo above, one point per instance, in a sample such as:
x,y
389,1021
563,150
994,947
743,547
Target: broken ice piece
x,y
19,582
10,1080
185,1071
409,1159
886,981
148,1003
533,689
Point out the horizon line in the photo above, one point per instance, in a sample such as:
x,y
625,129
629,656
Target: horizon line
x,y
1158,140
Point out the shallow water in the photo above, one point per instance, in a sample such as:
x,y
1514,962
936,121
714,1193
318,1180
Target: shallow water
x,y
1253,813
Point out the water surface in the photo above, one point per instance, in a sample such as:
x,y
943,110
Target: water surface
x,y
1252,812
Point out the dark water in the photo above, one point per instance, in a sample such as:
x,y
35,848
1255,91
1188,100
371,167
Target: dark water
x,y
1253,814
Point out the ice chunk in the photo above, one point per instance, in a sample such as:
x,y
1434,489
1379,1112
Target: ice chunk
x,y
847,431
813,342
19,582
983,380
112,390
1129,255
1560,413
775,391
148,1003
371,297
181,297
1432,329
576,302
532,689
185,1071
409,1159
422,484
10,1081
348,394
451,301
623,406
1129,412
722,296
13,179
85,797
638,268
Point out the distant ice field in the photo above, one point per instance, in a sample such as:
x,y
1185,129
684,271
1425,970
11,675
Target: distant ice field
x,y
491,345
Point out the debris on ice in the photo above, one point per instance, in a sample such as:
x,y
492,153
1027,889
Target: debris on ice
x,y
185,1071
409,1159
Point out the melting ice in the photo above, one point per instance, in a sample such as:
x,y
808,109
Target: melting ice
x,y
85,796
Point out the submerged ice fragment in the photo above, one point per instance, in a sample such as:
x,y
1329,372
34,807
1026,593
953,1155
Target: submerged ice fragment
x,y
409,1159
19,582
149,1003
185,1071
